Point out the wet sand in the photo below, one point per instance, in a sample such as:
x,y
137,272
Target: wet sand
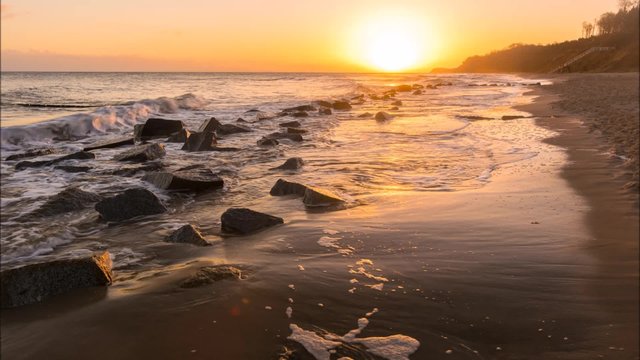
x,y
542,262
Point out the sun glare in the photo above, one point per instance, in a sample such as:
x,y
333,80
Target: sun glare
x,y
391,43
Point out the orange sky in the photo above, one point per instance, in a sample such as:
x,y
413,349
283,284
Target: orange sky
x,y
271,35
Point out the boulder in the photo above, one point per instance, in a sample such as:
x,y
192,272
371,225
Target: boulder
x,y
200,141
324,103
290,124
187,234
179,137
156,128
190,180
324,111
397,103
341,105
293,163
316,197
80,155
209,274
283,188
246,221
108,144
267,142
36,282
142,153
281,135
403,88
300,108
73,169
131,203
300,114
69,199
30,154
296,131
383,116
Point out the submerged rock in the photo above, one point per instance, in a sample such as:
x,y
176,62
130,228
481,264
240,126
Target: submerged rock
x,y
200,141
80,155
300,114
365,115
193,179
30,154
341,105
417,92
316,197
209,274
300,108
403,88
34,283
180,136
293,163
155,128
142,153
283,188
296,131
131,203
325,111
187,234
267,142
246,221
130,171
397,103
394,108
290,124
213,125
513,117
110,144
73,169
69,199
383,116
324,103
281,135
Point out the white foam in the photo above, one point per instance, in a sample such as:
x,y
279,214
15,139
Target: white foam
x,y
362,271
316,345
300,267
329,242
394,347
330,232
378,287
289,311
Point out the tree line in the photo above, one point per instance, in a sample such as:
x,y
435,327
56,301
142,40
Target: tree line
x,y
624,21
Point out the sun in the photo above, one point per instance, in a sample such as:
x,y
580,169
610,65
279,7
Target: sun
x,y
391,42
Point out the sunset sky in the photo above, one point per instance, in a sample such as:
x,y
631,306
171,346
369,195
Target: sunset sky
x,y
276,35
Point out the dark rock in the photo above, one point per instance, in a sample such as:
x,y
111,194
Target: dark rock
x,y
209,125
296,131
391,92
251,111
142,153
73,169
130,171
246,221
280,135
358,97
383,116
300,108
69,199
387,97
80,155
290,124
417,92
324,103
194,180
34,283
155,128
513,117
300,114
267,142
365,115
374,97
324,111
417,86
284,188
241,120
131,203
229,129
403,88
110,144
397,103
180,136
316,197
224,149
264,116
394,108
209,274
30,154
200,141
187,234
474,117
341,105
293,163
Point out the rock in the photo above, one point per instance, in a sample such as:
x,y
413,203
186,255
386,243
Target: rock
x,y
80,155
387,97
193,180
316,197
229,129
187,234
474,117
108,144
142,153
323,103
133,202
280,135
397,103
300,114
324,111
290,124
513,117
264,116
296,131
224,149
155,128
30,154
209,274
209,125
394,108
293,163
246,221
130,171
267,142
252,111
358,97
241,120
374,97
283,188
341,105
180,136
69,199
34,283
417,92
365,115
383,116
200,141
417,86
300,108
403,88
73,169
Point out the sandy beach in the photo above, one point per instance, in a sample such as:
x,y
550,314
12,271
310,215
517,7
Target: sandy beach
x,y
540,263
